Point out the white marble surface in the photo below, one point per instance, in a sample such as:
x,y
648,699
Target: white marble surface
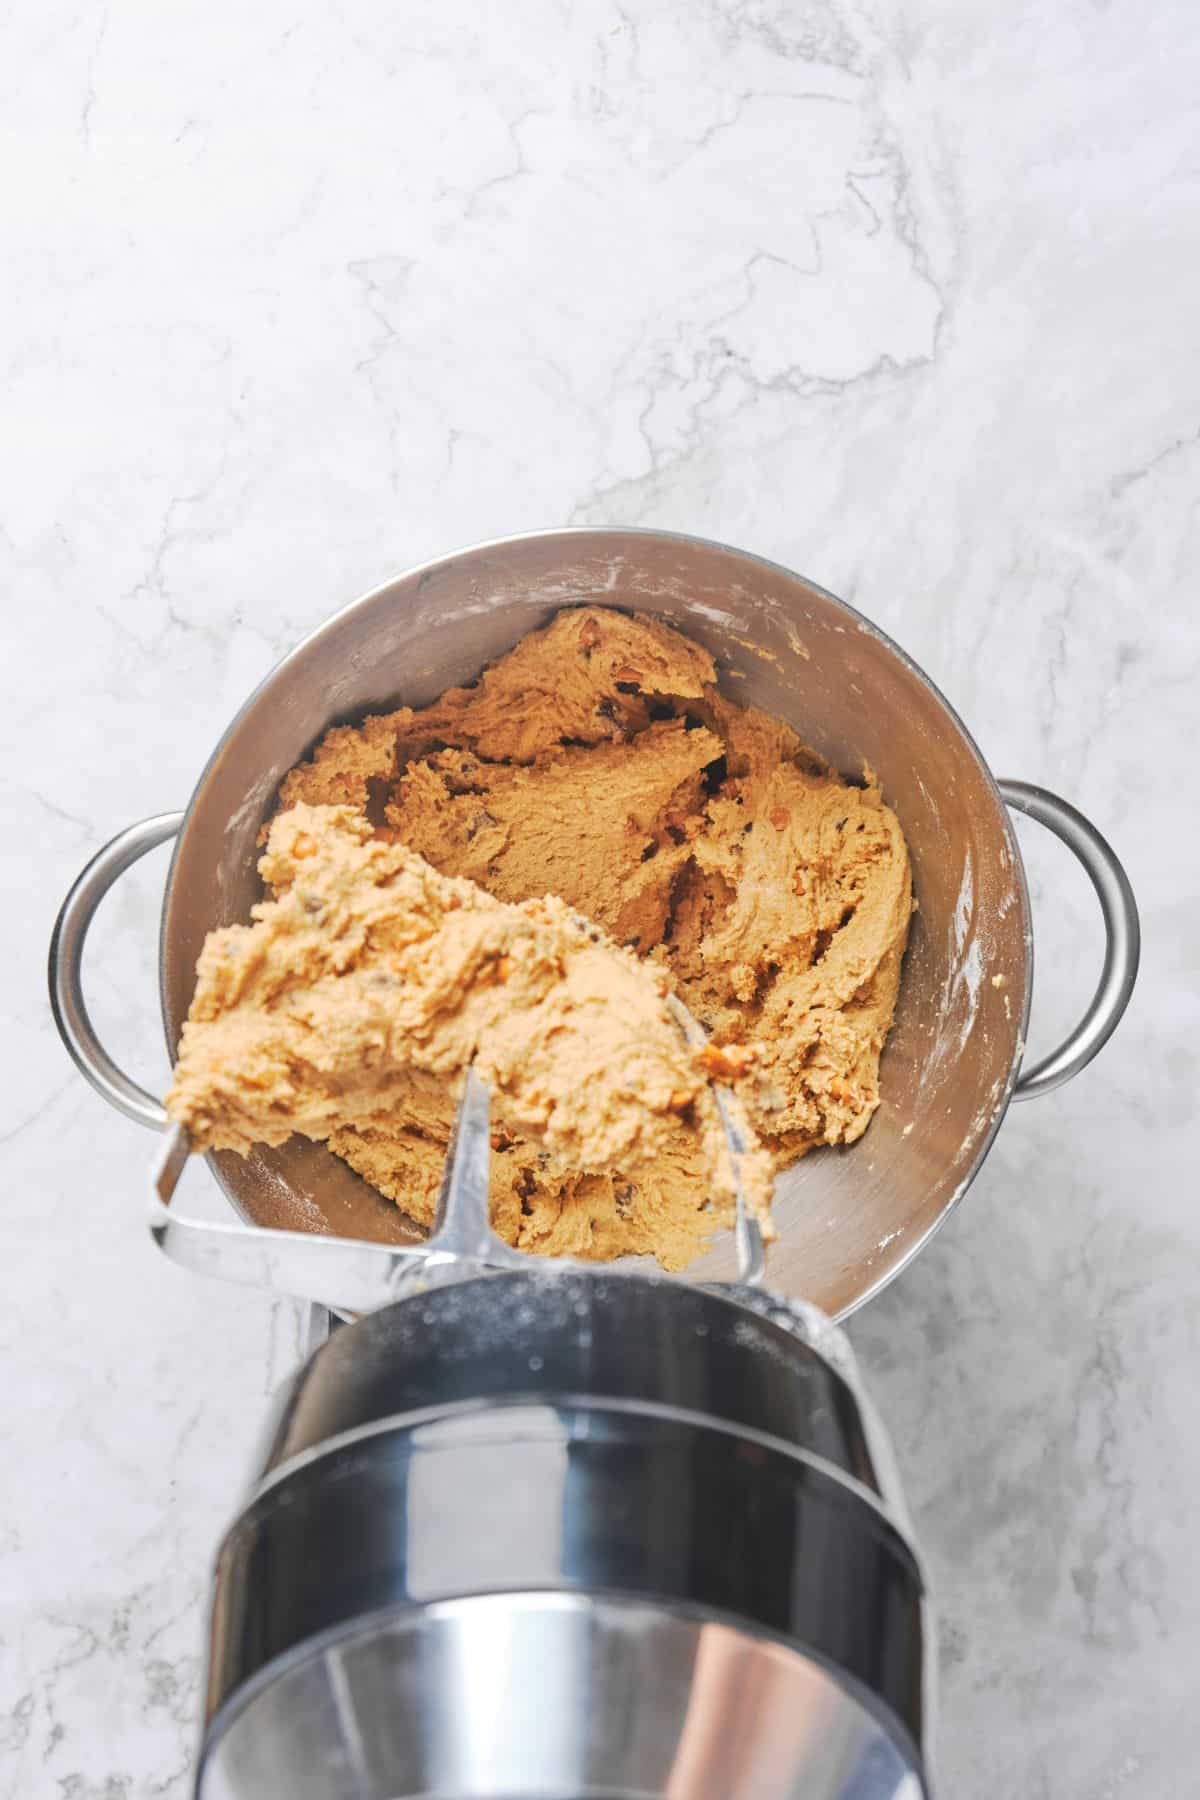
x,y
901,292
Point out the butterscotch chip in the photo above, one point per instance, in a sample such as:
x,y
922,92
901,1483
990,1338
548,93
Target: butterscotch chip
x,y
779,818
727,1062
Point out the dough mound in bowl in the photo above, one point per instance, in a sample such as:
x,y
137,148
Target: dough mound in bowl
x,y
599,763
369,979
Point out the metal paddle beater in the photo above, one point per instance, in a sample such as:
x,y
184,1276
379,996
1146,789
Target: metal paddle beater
x,y
354,1275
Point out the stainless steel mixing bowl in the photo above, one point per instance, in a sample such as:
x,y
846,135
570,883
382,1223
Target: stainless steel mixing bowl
x,y
849,1219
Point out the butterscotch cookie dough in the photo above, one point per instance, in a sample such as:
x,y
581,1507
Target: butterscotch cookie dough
x,y
597,761
361,991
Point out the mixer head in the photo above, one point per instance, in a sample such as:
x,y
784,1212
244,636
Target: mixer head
x,y
545,1537
532,1530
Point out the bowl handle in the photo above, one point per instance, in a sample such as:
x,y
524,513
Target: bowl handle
x,y
1117,904
66,968
1122,936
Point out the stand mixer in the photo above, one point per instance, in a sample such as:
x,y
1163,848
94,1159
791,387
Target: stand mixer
x,y
529,1529
538,1530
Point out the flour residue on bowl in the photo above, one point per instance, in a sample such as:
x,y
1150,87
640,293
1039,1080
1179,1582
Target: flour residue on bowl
x,y
241,834
958,1008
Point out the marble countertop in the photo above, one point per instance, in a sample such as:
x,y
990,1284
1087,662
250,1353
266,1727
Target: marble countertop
x,y
903,294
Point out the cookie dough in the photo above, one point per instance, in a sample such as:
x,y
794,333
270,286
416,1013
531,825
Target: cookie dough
x,y
361,991
599,762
